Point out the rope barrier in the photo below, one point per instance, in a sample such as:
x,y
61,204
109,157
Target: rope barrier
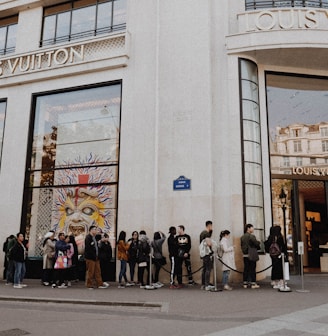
x,y
221,261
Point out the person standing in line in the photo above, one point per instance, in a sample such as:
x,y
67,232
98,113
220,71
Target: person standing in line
x,y
91,255
173,255
143,257
276,270
205,234
248,240
184,246
11,265
228,258
19,254
61,247
48,257
133,254
122,256
105,257
157,245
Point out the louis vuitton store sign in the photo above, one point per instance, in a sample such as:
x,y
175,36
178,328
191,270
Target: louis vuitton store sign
x,y
278,19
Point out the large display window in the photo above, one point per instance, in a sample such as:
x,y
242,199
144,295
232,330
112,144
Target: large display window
x,y
72,175
298,137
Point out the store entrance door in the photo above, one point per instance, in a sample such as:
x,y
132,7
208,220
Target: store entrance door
x,y
313,223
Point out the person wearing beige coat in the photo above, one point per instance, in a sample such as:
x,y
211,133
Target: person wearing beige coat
x,y
48,258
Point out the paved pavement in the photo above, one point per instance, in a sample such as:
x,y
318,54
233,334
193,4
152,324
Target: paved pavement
x,y
262,311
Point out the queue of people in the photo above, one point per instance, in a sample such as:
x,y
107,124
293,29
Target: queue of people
x,y
60,258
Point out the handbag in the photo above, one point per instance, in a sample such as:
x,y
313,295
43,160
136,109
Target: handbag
x,y
61,261
252,254
162,261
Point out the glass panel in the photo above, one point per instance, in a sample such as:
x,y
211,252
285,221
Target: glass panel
x,y
83,20
11,39
255,215
251,110
3,106
251,131
49,26
3,35
119,12
253,173
252,152
104,16
254,195
250,91
297,109
249,71
63,24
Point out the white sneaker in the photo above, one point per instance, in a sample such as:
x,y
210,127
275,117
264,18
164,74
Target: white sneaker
x,y
23,285
18,286
106,284
129,284
227,287
102,287
62,286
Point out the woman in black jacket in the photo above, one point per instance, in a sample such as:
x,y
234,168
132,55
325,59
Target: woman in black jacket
x,y
105,257
276,271
18,255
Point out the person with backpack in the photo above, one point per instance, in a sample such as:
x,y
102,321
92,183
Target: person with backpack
x,y
275,245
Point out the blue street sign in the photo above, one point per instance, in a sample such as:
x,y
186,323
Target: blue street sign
x,y
182,183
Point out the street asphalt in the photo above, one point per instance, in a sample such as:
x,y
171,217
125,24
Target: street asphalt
x,y
264,311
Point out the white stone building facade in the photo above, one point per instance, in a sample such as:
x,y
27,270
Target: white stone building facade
x,y
164,89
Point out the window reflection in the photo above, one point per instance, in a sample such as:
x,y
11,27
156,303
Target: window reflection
x,y
79,19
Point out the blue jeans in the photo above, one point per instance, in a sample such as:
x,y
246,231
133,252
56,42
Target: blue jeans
x,y
225,277
19,272
122,272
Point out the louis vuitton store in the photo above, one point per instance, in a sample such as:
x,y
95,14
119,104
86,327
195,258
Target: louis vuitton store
x,y
103,113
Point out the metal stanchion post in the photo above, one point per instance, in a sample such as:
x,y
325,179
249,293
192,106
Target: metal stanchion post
x,y
300,248
215,289
150,286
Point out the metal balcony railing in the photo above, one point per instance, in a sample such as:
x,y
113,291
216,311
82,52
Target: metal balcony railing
x,y
263,4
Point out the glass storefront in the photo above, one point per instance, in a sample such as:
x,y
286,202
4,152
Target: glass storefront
x,y
298,139
72,173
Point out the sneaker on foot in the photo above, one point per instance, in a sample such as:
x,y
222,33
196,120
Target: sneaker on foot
x,y
18,286
255,286
62,286
173,286
106,284
102,287
227,287
120,286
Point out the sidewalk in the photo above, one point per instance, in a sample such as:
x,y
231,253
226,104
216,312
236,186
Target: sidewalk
x,y
262,311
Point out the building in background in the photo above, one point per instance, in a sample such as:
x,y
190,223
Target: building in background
x,y
140,115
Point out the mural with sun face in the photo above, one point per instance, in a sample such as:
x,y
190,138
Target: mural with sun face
x,y
89,202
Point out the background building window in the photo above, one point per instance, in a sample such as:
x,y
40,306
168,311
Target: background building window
x,y
81,19
3,106
8,29
325,145
72,178
297,147
251,143
324,131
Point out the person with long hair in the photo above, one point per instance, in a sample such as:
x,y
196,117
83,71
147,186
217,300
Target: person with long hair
x,y
276,271
122,255
133,254
227,257
105,257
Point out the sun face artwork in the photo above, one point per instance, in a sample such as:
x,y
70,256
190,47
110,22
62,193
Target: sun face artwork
x,y
89,202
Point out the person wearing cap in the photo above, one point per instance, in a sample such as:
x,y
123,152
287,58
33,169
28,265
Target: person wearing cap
x,y
173,255
48,249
